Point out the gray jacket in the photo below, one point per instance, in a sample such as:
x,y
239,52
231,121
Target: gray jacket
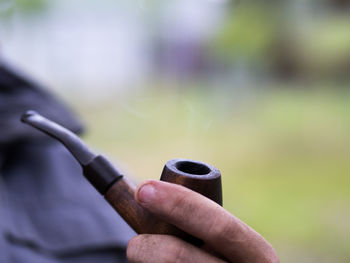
x,y
49,213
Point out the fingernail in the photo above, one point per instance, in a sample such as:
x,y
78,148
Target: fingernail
x,y
146,193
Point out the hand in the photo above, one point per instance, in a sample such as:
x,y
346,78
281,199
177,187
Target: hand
x,y
227,239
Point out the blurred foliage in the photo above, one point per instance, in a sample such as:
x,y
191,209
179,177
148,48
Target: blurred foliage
x,y
31,6
248,32
9,7
324,45
308,39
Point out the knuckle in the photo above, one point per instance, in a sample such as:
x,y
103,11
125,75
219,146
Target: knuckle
x,y
139,248
148,248
226,229
175,253
218,225
178,206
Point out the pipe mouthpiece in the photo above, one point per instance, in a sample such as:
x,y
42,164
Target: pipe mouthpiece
x,y
97,169
69,139
27,115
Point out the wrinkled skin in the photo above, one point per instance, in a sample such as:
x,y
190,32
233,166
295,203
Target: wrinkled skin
x,y
227,239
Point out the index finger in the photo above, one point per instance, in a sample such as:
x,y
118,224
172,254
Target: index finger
x,y
203,218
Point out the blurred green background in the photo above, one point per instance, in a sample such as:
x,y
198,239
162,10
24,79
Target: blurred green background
x,y
258,89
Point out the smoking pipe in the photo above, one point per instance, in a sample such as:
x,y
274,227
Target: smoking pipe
x,y
119,191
